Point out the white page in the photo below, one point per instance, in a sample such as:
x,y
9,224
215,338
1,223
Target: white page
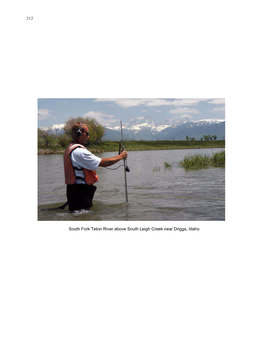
x,y
59,285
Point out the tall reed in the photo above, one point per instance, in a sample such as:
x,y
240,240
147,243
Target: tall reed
x,y
200,161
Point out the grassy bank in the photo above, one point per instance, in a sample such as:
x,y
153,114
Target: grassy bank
x,y
200,161
113,146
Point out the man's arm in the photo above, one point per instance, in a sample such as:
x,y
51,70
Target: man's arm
x,y
112,160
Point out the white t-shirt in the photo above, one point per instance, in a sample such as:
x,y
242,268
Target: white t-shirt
x,y
82,158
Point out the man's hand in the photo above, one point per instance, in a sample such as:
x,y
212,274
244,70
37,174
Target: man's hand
x,y
123,155
112,160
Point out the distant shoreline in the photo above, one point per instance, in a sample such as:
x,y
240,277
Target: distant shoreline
x,y
113,146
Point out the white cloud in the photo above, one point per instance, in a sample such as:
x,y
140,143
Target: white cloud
x,y
123,102
177,102
181,111
222,109
217,101
104,119
187,102
151,102
43,114
137,118
158,102
185,117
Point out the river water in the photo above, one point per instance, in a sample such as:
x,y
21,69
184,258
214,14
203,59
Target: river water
x,y
154,193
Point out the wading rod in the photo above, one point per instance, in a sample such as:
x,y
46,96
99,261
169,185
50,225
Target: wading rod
x,y
126,169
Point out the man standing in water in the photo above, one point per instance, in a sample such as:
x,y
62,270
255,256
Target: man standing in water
x,y
79,169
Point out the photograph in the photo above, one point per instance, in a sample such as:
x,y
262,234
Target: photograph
x,y
131,159
123,219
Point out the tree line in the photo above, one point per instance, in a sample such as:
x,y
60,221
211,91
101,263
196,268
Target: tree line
x,y
47,138
204,138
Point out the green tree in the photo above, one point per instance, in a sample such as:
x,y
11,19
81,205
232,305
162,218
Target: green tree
x,y
187,138
206,137
214,137
45,138
64,140
96,130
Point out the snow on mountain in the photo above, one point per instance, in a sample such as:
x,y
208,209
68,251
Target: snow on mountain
x,y
209,121
146,128
166,121
142,123
55,128
162,127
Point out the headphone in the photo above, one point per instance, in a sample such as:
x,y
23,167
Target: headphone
x,y
78,132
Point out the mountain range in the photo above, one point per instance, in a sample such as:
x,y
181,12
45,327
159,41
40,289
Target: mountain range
x,y
146,129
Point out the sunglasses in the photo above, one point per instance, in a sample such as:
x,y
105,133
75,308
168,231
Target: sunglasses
x,y
87,134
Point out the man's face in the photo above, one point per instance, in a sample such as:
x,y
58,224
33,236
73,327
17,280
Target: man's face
x,y
83,139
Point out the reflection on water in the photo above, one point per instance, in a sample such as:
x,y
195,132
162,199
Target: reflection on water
x,y
174,195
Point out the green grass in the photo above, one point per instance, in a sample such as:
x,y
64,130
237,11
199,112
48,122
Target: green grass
x,y
164,145
198,161
167,165
113,146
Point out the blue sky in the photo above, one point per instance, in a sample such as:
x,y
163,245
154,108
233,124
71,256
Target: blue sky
x,y
109,112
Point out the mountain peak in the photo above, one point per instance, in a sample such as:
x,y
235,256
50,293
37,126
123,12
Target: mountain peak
x,y
141,122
